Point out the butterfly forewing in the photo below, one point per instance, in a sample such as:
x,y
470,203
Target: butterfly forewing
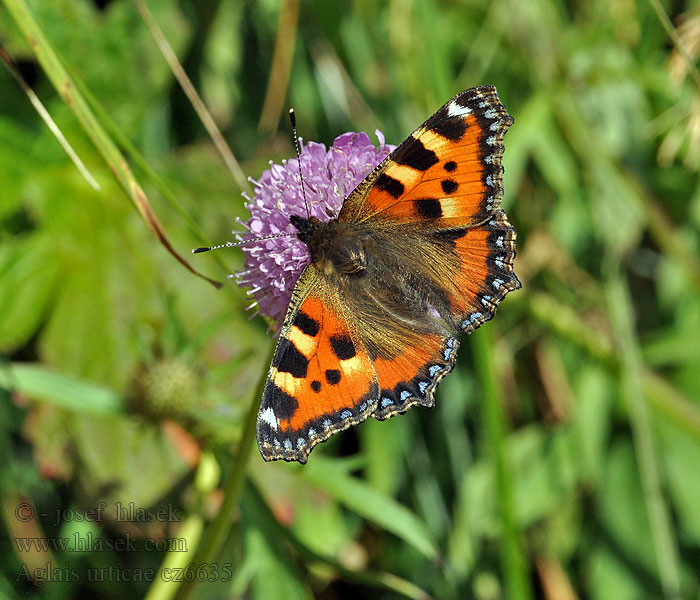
x,y
448,173
321,380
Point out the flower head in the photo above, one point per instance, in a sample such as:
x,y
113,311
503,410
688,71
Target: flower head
x,y
273,266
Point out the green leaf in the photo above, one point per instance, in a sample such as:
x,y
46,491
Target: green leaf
x,y
680,453
330,476
59,389
29,272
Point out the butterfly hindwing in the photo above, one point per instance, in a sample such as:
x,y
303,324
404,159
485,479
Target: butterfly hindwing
x,y
486,253
321,380
411,376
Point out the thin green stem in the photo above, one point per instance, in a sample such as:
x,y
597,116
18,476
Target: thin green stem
x,y
567,323
137,158
193,96
513,557
368,577
631,372
676,39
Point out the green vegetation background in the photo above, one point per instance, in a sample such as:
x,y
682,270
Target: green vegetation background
x,y
561,460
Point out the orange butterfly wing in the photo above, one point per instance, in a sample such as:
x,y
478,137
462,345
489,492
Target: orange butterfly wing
x,y
447,173
321,380
447,176
337,361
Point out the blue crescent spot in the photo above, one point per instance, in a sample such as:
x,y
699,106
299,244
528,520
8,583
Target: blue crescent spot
x,y
386,402
363,407
422,387
300,442
287,444
346,414
405,394
434,369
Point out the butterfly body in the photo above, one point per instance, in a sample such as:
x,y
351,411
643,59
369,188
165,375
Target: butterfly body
x,y
336,248
419,252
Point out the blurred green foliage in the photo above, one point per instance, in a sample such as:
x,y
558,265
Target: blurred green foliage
x,y
561,458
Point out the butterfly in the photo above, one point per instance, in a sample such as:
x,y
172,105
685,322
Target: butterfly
x,y
419,252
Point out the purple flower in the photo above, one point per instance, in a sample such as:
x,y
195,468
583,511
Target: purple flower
x,y
273,266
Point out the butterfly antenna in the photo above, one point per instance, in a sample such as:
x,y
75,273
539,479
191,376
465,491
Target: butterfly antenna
x,y
293,119
241,243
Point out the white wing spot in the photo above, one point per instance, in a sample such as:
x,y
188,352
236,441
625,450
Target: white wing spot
x,y
499,241
499,262
489,180
455,110
491,140
268,416
497,283
287,444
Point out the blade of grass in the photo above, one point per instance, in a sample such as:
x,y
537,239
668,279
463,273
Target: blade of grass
x,y
281,67
589,151
50,123
191,93
676,39
621,314
126,146
164,587
513,556
54,69
340,88
332,477
369,577
567,323
217,531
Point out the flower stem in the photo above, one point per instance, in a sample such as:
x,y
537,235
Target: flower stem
x,y
632,389
513,559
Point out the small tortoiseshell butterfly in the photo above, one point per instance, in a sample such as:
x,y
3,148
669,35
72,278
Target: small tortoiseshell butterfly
x,y
419,252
